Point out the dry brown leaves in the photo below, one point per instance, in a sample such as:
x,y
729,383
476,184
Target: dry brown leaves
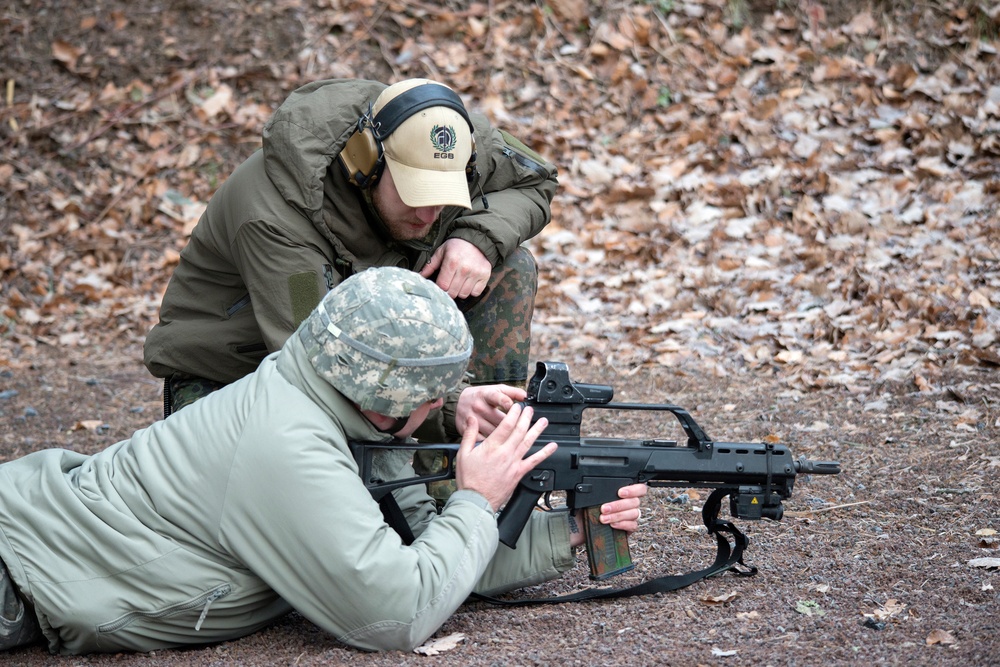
x,y
806,193
775,199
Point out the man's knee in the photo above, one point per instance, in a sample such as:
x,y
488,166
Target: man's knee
x,y
519,272
501,322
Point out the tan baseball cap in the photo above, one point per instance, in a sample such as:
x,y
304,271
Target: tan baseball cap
x,y
427,152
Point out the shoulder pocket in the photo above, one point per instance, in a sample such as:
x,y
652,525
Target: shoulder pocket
x,y
517,151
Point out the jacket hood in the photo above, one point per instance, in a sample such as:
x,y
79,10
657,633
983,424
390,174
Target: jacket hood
x,y
293,364
306,134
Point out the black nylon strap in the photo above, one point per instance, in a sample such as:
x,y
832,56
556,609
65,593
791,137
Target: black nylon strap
x,y
727,557
394,517
406,104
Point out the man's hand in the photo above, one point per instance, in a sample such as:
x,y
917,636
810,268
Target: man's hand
x,y
494,467
621,514
462,269
488,404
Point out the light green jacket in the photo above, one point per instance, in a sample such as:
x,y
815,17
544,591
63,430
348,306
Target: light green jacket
x,y
213,523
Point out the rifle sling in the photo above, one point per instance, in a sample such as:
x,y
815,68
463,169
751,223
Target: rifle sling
x,y
727,557
393,516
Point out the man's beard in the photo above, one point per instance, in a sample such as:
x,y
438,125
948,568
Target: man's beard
x,y
397,231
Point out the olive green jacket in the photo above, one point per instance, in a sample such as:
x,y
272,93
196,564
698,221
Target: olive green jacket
x,y
287,226
162,541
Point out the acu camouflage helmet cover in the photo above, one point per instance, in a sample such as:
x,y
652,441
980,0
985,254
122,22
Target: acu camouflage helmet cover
x,y
389,340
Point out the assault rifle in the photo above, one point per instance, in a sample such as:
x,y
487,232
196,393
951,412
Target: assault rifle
x,y
757,477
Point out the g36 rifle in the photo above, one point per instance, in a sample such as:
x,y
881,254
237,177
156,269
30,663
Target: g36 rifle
x,y
756,477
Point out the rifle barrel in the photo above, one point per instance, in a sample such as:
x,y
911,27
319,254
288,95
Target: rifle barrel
x,y
807,467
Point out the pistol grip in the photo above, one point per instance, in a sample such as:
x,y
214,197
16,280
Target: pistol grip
x,y
607,548
515,515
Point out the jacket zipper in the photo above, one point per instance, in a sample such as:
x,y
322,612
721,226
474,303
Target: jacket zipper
x,y
525,162
239,305
205,601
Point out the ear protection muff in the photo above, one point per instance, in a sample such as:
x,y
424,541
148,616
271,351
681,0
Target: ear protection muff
x,y
362,157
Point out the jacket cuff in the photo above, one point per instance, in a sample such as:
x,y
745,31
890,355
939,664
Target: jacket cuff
x,y
475,498
486,245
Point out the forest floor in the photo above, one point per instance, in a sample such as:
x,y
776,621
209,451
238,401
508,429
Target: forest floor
x,y
783,219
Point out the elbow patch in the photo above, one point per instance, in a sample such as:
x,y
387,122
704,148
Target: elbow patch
x,y
303,294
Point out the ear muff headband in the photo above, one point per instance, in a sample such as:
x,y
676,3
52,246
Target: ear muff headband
x,y
362,159
413,101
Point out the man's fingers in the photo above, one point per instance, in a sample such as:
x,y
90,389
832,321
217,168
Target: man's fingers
x,y
623,505
503,398
633,491
624,514
432,264
469,434
507,425
539,456
477,287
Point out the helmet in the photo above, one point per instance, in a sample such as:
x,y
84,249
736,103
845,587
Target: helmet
x,y
389,340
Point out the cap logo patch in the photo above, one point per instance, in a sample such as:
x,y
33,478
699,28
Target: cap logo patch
x,y
444,139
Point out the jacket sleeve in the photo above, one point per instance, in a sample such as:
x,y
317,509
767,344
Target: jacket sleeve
x,y
543,550
510,202
319,541
543,553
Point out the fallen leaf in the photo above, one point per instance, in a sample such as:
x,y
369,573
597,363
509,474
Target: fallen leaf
x,y
940,637
888,610
87,425
719,599
988,563
441,644
66,53
809,608
573,11
219,101
979,299
985,532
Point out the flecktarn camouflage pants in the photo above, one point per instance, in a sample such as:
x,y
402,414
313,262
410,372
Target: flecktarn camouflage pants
x,y
500,323
185,391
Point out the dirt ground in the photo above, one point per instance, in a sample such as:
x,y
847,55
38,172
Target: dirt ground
x,y
872,564
875,565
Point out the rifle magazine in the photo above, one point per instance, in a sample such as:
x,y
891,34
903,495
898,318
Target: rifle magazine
x,y
608,552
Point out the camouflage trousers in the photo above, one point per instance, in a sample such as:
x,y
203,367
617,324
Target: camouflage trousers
x,y
18,625
500,322
179,392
